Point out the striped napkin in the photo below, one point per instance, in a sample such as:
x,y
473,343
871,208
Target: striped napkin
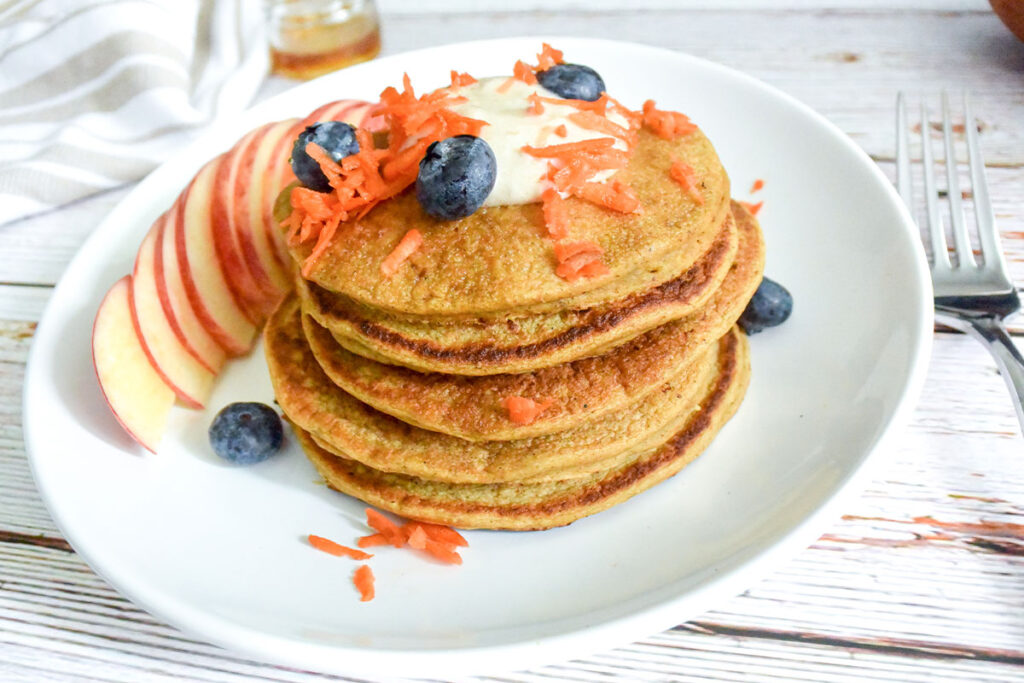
x,y
95,93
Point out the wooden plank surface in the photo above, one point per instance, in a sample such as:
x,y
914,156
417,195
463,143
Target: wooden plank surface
x,y
923,577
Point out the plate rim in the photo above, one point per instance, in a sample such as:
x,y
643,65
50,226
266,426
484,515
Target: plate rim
x,y
526,653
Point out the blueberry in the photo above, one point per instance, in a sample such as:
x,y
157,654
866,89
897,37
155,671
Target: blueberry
x,y
771,305
572,81
246,433
337,138
456,175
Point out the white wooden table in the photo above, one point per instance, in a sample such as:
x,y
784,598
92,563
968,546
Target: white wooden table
x,y
922,579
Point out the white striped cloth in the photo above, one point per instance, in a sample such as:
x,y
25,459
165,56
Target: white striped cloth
x,y
95,93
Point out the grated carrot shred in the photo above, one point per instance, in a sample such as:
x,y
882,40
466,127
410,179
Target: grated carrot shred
x,y
579,259
459,80
758,184
666,124
561,131
548,57
391,531
602,124
684,174
372,540
363,579
524,411
524,72
418,538
409,243
444,534
752,208
556,219
536,107
331,548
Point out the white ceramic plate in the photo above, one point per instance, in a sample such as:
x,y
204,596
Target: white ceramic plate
x,y
217,551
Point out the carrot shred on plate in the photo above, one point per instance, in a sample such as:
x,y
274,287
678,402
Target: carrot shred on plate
x,y
373,540
666,124
363,579
561,131
331,548
409,243
391,531
758,184
524,411
556,219
442,551
752,208
459,80
417,537
536,106
684,174
548,57
444,534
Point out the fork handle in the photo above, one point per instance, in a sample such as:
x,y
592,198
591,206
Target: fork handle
x,y
991,332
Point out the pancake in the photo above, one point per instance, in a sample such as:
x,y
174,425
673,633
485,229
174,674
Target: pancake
x,y
523,344
312,402
542,505
470,407
496,261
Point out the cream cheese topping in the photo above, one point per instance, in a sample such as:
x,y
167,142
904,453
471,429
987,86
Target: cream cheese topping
x,y
522,178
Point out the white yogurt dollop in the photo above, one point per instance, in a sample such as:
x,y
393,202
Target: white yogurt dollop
x,y
522,177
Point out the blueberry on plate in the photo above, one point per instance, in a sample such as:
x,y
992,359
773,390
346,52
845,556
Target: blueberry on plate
x,y
456,175
770,306
337,138
572,81
246,433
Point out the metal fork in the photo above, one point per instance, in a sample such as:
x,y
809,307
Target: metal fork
x,y
970,296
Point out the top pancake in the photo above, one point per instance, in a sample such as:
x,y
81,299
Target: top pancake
x,y
497,261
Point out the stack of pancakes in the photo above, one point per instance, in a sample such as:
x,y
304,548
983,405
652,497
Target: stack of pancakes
x,y
396,386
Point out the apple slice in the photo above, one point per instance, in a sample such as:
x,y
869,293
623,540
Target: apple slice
x,y
263,183
340,110
186,376
247,288
134,391
174,299
203,273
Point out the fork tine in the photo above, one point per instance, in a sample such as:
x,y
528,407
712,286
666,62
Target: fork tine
x,y
903,183
965,254
990,249
940,253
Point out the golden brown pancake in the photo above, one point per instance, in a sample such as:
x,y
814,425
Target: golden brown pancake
x,y
344,424
471,408
542,505
527,343
496,261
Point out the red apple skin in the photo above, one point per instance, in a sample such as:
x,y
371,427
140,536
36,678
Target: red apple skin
x,y
184,375
205,281
174,299
261,248
134,392
244,287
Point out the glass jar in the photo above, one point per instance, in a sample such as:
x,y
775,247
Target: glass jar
x,y
309,38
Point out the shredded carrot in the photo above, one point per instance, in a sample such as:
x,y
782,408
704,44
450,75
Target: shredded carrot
x,y
391,531
524,72
567,149
537,107
666,124
459,80
418,538
548,57
442,551
405,248
373,540
524,411
602,124
684,174
758,184
444,534
579,259
363,579
752,208
555,217
561,131
331,548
